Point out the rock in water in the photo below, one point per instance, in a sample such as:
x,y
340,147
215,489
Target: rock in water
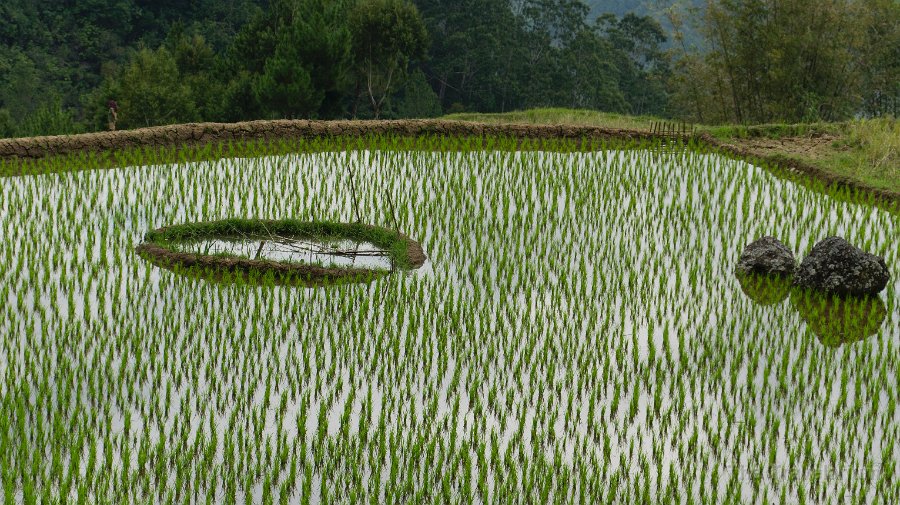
x,y
766,256
835,266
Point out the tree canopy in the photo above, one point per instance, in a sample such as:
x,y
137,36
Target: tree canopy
x,y
386,36
167,61
793,60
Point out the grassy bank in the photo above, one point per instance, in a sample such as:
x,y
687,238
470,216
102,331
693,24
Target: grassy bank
x,y
560,116
865,150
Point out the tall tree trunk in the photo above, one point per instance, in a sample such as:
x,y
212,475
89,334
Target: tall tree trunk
x,y
729,67
356,94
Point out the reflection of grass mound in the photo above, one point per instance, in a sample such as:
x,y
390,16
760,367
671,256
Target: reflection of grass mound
x,y
160,248
839,320
268,277
765,289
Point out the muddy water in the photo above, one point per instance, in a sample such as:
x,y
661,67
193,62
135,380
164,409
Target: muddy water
x,y
578,325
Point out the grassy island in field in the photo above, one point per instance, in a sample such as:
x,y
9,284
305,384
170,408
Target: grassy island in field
x,y
287,251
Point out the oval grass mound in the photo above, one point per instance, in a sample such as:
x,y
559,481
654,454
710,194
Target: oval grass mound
x,y
160,248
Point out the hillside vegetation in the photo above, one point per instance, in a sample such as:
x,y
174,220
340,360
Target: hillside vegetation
x,y
63,64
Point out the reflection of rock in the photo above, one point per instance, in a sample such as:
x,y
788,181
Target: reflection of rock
x,y
766,255
839,320
765,289
835,266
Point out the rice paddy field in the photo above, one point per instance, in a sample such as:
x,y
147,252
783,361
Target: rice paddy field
x,y
576,336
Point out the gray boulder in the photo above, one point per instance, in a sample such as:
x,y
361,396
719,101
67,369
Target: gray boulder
x,y
765,256
837,267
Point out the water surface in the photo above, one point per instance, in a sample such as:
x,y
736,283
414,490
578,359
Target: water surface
x,y
579,337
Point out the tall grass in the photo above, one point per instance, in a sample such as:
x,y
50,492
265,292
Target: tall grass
x,y
879,142
558,116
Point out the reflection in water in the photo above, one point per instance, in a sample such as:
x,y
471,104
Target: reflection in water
x,y
765,289
270,278
544,329
835,320
839,320
336,252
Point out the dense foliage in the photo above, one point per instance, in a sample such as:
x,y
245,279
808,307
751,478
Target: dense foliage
x,y
165,62
792,60
55,56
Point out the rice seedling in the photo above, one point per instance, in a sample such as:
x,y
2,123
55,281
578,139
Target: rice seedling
x,y
576,336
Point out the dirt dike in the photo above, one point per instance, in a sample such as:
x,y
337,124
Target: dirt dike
x,y
205,133
196,134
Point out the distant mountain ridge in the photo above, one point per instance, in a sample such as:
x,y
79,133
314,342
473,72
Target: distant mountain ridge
x,y
617,7
640,7
652,8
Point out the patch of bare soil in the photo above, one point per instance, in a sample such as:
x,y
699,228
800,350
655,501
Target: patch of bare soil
x,y
811,147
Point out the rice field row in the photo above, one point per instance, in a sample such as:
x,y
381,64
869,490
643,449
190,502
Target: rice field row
x,y
576,337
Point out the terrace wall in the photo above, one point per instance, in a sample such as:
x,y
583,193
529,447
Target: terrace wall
x,y
203,133
33,148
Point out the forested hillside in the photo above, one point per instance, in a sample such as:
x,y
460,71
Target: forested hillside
x,y
62,62
675,16
639,7
55,54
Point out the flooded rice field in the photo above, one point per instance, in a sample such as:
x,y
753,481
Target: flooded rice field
x,y
578,336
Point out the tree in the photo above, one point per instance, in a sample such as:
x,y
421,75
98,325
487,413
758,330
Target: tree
x,y
498,55
20,86
150,91
593,78
880,62
286,87
200,69
386,35
50,118
417,99
782,60
7,126
74,48
298,56
636,43
473,57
